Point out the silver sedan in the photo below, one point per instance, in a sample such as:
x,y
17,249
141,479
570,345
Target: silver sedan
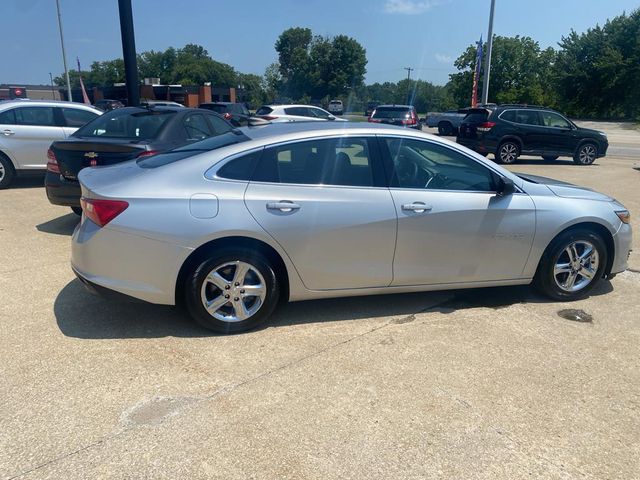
x,y
235,224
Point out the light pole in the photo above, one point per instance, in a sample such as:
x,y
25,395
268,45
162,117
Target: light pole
x,y
64,55
409,70
53,92
129,53
487,65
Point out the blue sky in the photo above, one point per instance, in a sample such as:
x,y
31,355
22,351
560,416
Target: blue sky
x,y
424,34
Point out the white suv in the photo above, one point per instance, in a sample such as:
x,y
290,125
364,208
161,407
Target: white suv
x,y
27,129
295,113
336,107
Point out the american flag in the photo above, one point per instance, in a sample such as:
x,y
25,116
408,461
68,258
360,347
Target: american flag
x,y
85,97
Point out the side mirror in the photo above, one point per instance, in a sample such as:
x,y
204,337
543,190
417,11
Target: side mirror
x,y
506,187
331,117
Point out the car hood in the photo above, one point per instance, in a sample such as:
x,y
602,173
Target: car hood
x,y
593,133
566,190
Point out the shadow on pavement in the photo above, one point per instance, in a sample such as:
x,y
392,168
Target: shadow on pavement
x,y
80,314
63,225
29,181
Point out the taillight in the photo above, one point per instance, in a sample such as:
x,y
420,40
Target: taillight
x,y
101,211
147,153
227,116
268,117
52,162
485,126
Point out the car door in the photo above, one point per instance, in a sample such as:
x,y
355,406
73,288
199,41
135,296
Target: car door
x,y
530,130
452,226
324,201
29,137
559,137
74,118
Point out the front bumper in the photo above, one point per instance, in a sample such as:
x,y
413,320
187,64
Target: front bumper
x,y
135,266
622,242
62,192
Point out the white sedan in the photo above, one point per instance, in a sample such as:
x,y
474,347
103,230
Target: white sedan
x,y
295,113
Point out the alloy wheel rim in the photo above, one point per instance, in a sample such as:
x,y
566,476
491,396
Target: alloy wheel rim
x,y
508,153
1,172
587,154
233,291
576,266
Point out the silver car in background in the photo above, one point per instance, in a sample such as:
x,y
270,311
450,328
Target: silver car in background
x,y
295,113
235,224
27,129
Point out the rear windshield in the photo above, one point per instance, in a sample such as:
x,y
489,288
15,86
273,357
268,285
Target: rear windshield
x,y
264,111
335,102
216,108
137,125
206,145
392,112
476,117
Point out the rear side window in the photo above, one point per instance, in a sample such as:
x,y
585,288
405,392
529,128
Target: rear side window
x,y
240,168
74,117
528,117
118,124
264,111
219,125
340,161
7,118
299,111
196,127
508,115
41,116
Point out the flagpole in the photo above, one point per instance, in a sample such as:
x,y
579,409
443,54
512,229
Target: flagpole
x,y
487,68
64,55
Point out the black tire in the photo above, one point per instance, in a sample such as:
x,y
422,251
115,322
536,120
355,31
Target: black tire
x,y
77,210
508,152
546,281
586,154
6,172
445,129
193,290
550,158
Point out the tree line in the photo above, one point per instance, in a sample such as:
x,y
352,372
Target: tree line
x,y
589,75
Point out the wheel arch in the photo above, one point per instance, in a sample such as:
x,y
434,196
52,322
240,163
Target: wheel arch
x,y
236,241
6,155
512,138
590,140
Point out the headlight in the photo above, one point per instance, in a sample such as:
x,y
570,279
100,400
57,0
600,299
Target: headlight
x,y
624,216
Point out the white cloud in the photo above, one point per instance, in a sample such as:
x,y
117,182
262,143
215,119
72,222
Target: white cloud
x,y
442,58
409,7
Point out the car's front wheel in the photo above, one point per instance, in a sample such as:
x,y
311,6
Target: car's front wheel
x,y
232,291
508,152
586,154
572,265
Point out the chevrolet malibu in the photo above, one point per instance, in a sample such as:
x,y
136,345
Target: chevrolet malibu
x,y
233,225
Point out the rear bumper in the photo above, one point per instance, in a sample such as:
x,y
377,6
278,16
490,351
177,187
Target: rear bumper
x,y
62,192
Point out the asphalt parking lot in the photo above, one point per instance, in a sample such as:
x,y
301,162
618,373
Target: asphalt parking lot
x,y
490,383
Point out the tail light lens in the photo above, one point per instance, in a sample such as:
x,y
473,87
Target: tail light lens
x,y
268,117
147,153
485,126
52,162
101,211
227,116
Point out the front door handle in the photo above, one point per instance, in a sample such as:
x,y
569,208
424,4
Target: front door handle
x,y
8,132
417,207
283,206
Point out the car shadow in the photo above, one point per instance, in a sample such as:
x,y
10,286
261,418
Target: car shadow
x,y
27,181
63,225
80,314
541,161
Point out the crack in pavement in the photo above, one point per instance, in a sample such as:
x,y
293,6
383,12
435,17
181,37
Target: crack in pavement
x,y
234,386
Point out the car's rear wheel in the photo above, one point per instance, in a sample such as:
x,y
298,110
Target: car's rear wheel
x,y
232,291
445,129
572,265
508,152
6,172
550,157
586,154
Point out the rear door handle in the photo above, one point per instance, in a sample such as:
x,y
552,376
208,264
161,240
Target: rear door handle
x,y
417,207
8,132
283,206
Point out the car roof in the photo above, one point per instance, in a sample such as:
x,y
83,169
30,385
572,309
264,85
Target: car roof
x,y
45,103
396,106
220,103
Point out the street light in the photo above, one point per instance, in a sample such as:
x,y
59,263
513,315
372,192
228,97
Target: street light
x,y
487,66
64,55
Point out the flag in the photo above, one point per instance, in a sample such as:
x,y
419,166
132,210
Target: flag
x,y
85,97
476,74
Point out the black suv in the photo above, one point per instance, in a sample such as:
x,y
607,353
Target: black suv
x,y
236,113
401,115
509,131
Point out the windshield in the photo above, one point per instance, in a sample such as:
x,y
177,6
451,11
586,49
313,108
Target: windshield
x,y
118,124
206,145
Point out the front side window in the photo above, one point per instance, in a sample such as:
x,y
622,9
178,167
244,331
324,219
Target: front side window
x,y
40,116
550,119
341,161
74,117
426,165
